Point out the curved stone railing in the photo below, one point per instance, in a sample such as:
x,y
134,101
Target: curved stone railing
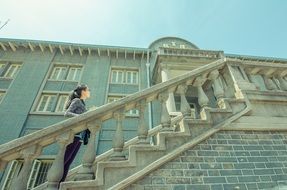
x,y
104,156
30,146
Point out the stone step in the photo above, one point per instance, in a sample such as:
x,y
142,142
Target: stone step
x,y
139,157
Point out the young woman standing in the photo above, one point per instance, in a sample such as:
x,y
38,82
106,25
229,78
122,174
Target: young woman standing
x,y
74,107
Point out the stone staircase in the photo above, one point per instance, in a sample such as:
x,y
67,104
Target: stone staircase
x,y
131,161
144,157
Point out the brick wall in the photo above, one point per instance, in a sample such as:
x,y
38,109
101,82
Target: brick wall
x,y
234,160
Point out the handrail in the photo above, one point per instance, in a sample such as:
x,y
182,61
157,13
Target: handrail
x,y
152,132
47,136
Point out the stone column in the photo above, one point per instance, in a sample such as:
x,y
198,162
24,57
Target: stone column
x,y
86,172
143,127
202,98
270,85
165,117
217,87
184,105
170,103
118,140
283,83
56,171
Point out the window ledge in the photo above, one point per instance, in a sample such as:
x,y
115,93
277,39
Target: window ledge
x,y
54,80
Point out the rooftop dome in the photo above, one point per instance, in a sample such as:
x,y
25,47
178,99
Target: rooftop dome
x,y
173,42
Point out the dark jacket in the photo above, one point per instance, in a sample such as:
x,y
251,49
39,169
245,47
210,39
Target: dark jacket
x,y
76,108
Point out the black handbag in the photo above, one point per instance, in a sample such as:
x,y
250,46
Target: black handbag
x,y
85,135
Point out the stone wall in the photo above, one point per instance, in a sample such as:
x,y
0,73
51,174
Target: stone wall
x,y
235,160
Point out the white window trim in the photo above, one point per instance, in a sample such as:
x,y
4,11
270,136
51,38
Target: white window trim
x,y
77,70
58,110
11,174
124,76
14,71
33,174
47,102
132,79
67,72
61,68
117,80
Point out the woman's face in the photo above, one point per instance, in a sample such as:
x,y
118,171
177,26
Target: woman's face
x,y
86,93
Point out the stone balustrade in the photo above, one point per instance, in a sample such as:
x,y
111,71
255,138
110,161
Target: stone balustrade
x,y
189,52
267,77
30,146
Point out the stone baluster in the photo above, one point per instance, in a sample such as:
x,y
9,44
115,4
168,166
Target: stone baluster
x,y
217,87
143,127
29,155
184,105
270,85
118,140
283,83
202,98
165,117
56,171
86,172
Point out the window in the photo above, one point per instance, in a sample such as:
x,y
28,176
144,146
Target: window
x,y
117,76
52,103
46,103
74,73
37,175
133,112
124,76
61,103
12,173
9,70
67,72
2,95
131,77
12,70
58,73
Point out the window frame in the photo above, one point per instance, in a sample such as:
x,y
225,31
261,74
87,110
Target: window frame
x,y
7,66
117,71
12,173
78,70
124,80
61,69
55,105
33,175
47,102
67,69
58,103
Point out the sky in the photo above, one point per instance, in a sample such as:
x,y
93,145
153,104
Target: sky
x,y
244,27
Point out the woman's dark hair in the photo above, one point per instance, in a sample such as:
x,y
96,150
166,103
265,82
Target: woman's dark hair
x,y
76,93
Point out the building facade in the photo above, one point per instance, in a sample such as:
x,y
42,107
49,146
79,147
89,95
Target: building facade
x,y
36,78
